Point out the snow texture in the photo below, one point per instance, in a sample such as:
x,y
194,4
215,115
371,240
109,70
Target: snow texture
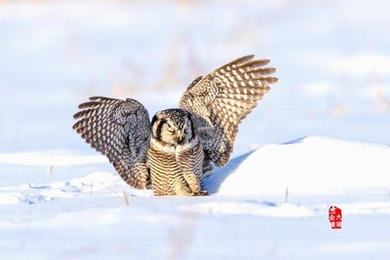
x,y
98,215
319,138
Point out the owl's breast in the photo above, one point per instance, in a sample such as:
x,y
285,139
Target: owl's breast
x,y
166,171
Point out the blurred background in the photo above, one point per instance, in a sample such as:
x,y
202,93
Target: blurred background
x,y
333,60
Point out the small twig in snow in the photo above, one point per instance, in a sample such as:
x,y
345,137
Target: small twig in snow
x,y
49,170
126,198
286,195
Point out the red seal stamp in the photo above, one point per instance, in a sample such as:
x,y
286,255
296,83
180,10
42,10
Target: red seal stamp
x,y
335,217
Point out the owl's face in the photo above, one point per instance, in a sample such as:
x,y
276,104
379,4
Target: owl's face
x,y
173,127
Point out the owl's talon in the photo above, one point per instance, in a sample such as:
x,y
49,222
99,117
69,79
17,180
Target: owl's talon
x,y
201,193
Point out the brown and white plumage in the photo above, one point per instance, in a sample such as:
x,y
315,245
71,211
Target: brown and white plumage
x,y
119,129
222,99
175,156
178,149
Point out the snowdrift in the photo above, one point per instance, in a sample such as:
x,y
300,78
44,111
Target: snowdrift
x,y
306,165
313,165
96,214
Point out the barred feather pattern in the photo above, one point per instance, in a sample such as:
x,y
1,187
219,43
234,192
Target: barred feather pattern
x,y
120,130
177,162
222,99
176,170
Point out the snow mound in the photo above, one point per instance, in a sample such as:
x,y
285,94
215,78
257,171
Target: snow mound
x,y
307,165
313,165
241,205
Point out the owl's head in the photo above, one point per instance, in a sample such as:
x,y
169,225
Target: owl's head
x,y
173,127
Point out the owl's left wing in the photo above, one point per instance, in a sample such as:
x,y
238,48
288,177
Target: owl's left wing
x,y
119,129
224,97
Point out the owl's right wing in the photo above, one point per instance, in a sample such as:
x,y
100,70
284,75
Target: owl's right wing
x,y
119,129
220,100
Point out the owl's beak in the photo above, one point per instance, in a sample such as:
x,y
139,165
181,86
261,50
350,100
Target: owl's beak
x,y
180,138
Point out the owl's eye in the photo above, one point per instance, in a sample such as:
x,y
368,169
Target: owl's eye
x,y
169,128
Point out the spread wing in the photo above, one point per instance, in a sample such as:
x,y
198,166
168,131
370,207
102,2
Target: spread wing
x,y
119,129
222,99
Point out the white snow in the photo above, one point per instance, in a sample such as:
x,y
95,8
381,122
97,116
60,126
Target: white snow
x,y
251,208
50,159
9,198
250,192
311,165
59,199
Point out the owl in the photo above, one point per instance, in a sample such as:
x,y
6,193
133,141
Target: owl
x,y
174,152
